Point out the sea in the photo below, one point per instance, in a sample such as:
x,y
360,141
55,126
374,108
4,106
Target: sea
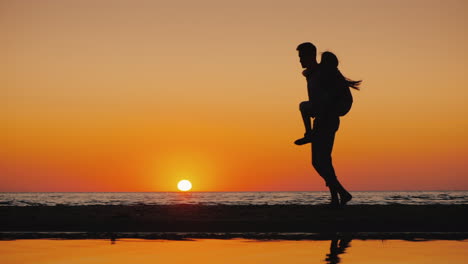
x,y
228,198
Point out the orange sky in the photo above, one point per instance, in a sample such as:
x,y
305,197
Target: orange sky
x,y
135,95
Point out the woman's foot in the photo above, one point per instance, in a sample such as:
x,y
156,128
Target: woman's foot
x,y
345,198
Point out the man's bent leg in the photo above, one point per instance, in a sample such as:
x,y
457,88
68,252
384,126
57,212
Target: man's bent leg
x,y
306,109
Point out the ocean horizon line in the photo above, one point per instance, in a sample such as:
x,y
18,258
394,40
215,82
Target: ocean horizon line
x,y
187,192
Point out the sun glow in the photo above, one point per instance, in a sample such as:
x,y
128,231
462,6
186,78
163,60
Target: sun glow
x,y
184,185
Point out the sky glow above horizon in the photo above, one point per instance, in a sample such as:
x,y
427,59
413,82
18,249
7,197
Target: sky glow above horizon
x,y
136,95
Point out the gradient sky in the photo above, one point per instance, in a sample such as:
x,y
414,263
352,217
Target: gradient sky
x,y
136,95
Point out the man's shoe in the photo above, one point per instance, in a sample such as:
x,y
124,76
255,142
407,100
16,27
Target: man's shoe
x,y
306,139
345,199
302,141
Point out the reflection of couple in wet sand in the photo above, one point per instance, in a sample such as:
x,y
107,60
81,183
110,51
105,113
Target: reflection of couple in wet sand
x,y
337,247
329,98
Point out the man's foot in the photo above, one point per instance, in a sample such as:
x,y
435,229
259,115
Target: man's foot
x,y
306,139
345,199
333,205
302,141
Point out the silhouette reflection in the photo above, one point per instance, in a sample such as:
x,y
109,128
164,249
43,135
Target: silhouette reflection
x,y
337,247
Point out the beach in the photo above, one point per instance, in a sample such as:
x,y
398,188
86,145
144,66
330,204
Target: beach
x,y
243,219
246,251
191,233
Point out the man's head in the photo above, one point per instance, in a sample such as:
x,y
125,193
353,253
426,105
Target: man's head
x,y
307,54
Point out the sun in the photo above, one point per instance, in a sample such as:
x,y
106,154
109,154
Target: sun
x,y
184,185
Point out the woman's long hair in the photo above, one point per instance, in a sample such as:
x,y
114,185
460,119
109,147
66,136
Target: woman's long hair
x,y
330,61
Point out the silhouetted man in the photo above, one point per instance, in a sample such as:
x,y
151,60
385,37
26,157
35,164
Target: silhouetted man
x,y
308,58
326,123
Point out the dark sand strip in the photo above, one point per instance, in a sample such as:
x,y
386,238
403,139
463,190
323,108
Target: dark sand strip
x,y
409,236
229,219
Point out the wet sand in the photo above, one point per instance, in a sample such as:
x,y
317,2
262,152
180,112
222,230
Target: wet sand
x,y
245,251
231,219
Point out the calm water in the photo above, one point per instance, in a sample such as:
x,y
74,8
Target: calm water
x,y
232,251
229,198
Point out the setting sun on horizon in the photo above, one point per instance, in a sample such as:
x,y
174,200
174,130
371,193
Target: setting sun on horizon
x,y
184,185
133,96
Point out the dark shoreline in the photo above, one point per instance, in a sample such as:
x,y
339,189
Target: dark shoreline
x,y
408,236
205,219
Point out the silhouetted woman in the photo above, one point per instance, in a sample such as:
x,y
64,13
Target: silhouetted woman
x,y
336,102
